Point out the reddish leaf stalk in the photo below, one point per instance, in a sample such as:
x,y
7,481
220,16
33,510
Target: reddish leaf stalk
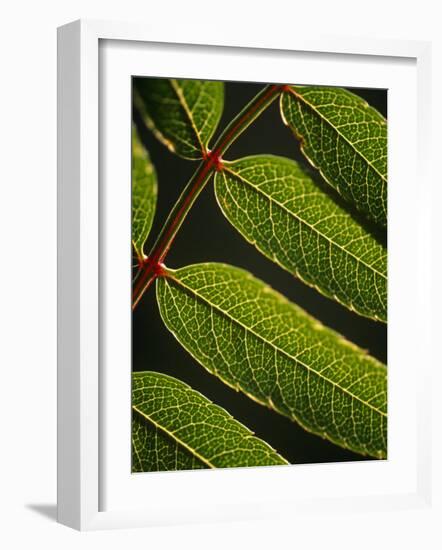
x,y
153,267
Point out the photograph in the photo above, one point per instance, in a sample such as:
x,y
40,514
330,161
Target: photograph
x,y
223,302
259,274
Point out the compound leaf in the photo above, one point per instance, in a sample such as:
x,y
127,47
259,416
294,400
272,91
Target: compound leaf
x,y
346,140
183,114
175,427
277,207
144,194
256,341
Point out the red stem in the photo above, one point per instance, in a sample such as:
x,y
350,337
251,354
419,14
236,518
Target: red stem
x,y
153,266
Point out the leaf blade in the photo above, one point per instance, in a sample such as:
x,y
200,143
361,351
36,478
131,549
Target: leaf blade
x,y
257,342
152,451
203,431
183,114
346,140
286,215
144,194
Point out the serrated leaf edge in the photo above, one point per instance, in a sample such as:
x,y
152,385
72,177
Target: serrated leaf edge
x,y
301,140
140,249
250,434
350,305
172,436
269,404
179,93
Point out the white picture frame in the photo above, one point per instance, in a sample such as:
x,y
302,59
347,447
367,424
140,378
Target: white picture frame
x,y
95,488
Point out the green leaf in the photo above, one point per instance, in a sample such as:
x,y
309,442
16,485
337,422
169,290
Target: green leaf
x,y
182,113
154,451
176,427
346,140
256,341
291,220
144,194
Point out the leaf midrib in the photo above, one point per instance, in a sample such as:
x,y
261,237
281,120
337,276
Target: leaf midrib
x,y
170,275
301,220
170,434
181,98
315,110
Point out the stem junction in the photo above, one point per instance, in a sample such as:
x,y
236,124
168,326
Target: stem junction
x,y
153,266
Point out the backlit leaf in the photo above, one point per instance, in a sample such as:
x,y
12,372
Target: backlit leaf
x,y
182,113
153,451
346,140
294,222
144,194
257,342
175,427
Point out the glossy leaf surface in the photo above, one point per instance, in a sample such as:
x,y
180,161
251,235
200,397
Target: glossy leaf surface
x,y
183,114
257,342
346,140
175,427
293,221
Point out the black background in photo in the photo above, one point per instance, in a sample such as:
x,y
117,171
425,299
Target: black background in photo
x,y
206,236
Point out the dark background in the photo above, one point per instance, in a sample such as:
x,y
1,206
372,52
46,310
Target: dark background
x,y
207,236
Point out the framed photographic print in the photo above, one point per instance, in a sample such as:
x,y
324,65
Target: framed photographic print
x,y
227,266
